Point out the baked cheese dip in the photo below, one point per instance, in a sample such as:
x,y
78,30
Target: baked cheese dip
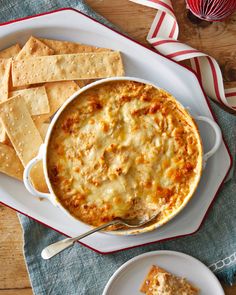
x,y
123,149
161,282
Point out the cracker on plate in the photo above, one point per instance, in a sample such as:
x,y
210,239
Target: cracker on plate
x,y
24,136
66,67
10,164
66,47
34,47
5,70
58,93
36,99
11,51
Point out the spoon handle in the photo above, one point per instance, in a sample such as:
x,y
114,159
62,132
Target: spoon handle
x,y
57,247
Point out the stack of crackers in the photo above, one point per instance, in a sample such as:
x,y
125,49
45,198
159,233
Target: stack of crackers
x,y
35,81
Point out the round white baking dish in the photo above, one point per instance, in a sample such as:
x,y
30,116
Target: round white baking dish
x,y
42,155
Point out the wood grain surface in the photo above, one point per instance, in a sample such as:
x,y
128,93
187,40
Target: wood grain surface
x,y
217,39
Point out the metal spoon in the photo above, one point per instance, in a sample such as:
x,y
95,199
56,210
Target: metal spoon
x,y
57,247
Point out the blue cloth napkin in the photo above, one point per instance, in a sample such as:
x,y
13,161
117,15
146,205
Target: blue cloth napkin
x,y
82,271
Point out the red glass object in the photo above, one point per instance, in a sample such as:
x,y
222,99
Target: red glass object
x,y
212,10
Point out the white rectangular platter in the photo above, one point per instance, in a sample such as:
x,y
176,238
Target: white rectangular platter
x,y
71,25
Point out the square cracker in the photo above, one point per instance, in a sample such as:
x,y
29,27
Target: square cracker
x,y
34,47
58,93
10,51
10,164
66,67
65,47
24,136
36,99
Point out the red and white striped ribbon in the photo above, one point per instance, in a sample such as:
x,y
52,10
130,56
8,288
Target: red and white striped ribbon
x,y
163,37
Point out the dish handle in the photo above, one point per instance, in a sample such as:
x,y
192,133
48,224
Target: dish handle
x,y
218,137
26,176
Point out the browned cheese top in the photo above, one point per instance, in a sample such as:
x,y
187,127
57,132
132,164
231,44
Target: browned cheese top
x,y
123,149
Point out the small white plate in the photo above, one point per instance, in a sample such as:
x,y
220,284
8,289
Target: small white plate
x,y
69,24
130,276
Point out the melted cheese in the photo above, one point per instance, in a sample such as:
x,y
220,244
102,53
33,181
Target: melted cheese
x,y
123,149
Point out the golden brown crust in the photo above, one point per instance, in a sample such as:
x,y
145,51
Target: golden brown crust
x,y
124,149
152,272
160,282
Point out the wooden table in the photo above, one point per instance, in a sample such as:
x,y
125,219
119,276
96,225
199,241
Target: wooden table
x,y
216,39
